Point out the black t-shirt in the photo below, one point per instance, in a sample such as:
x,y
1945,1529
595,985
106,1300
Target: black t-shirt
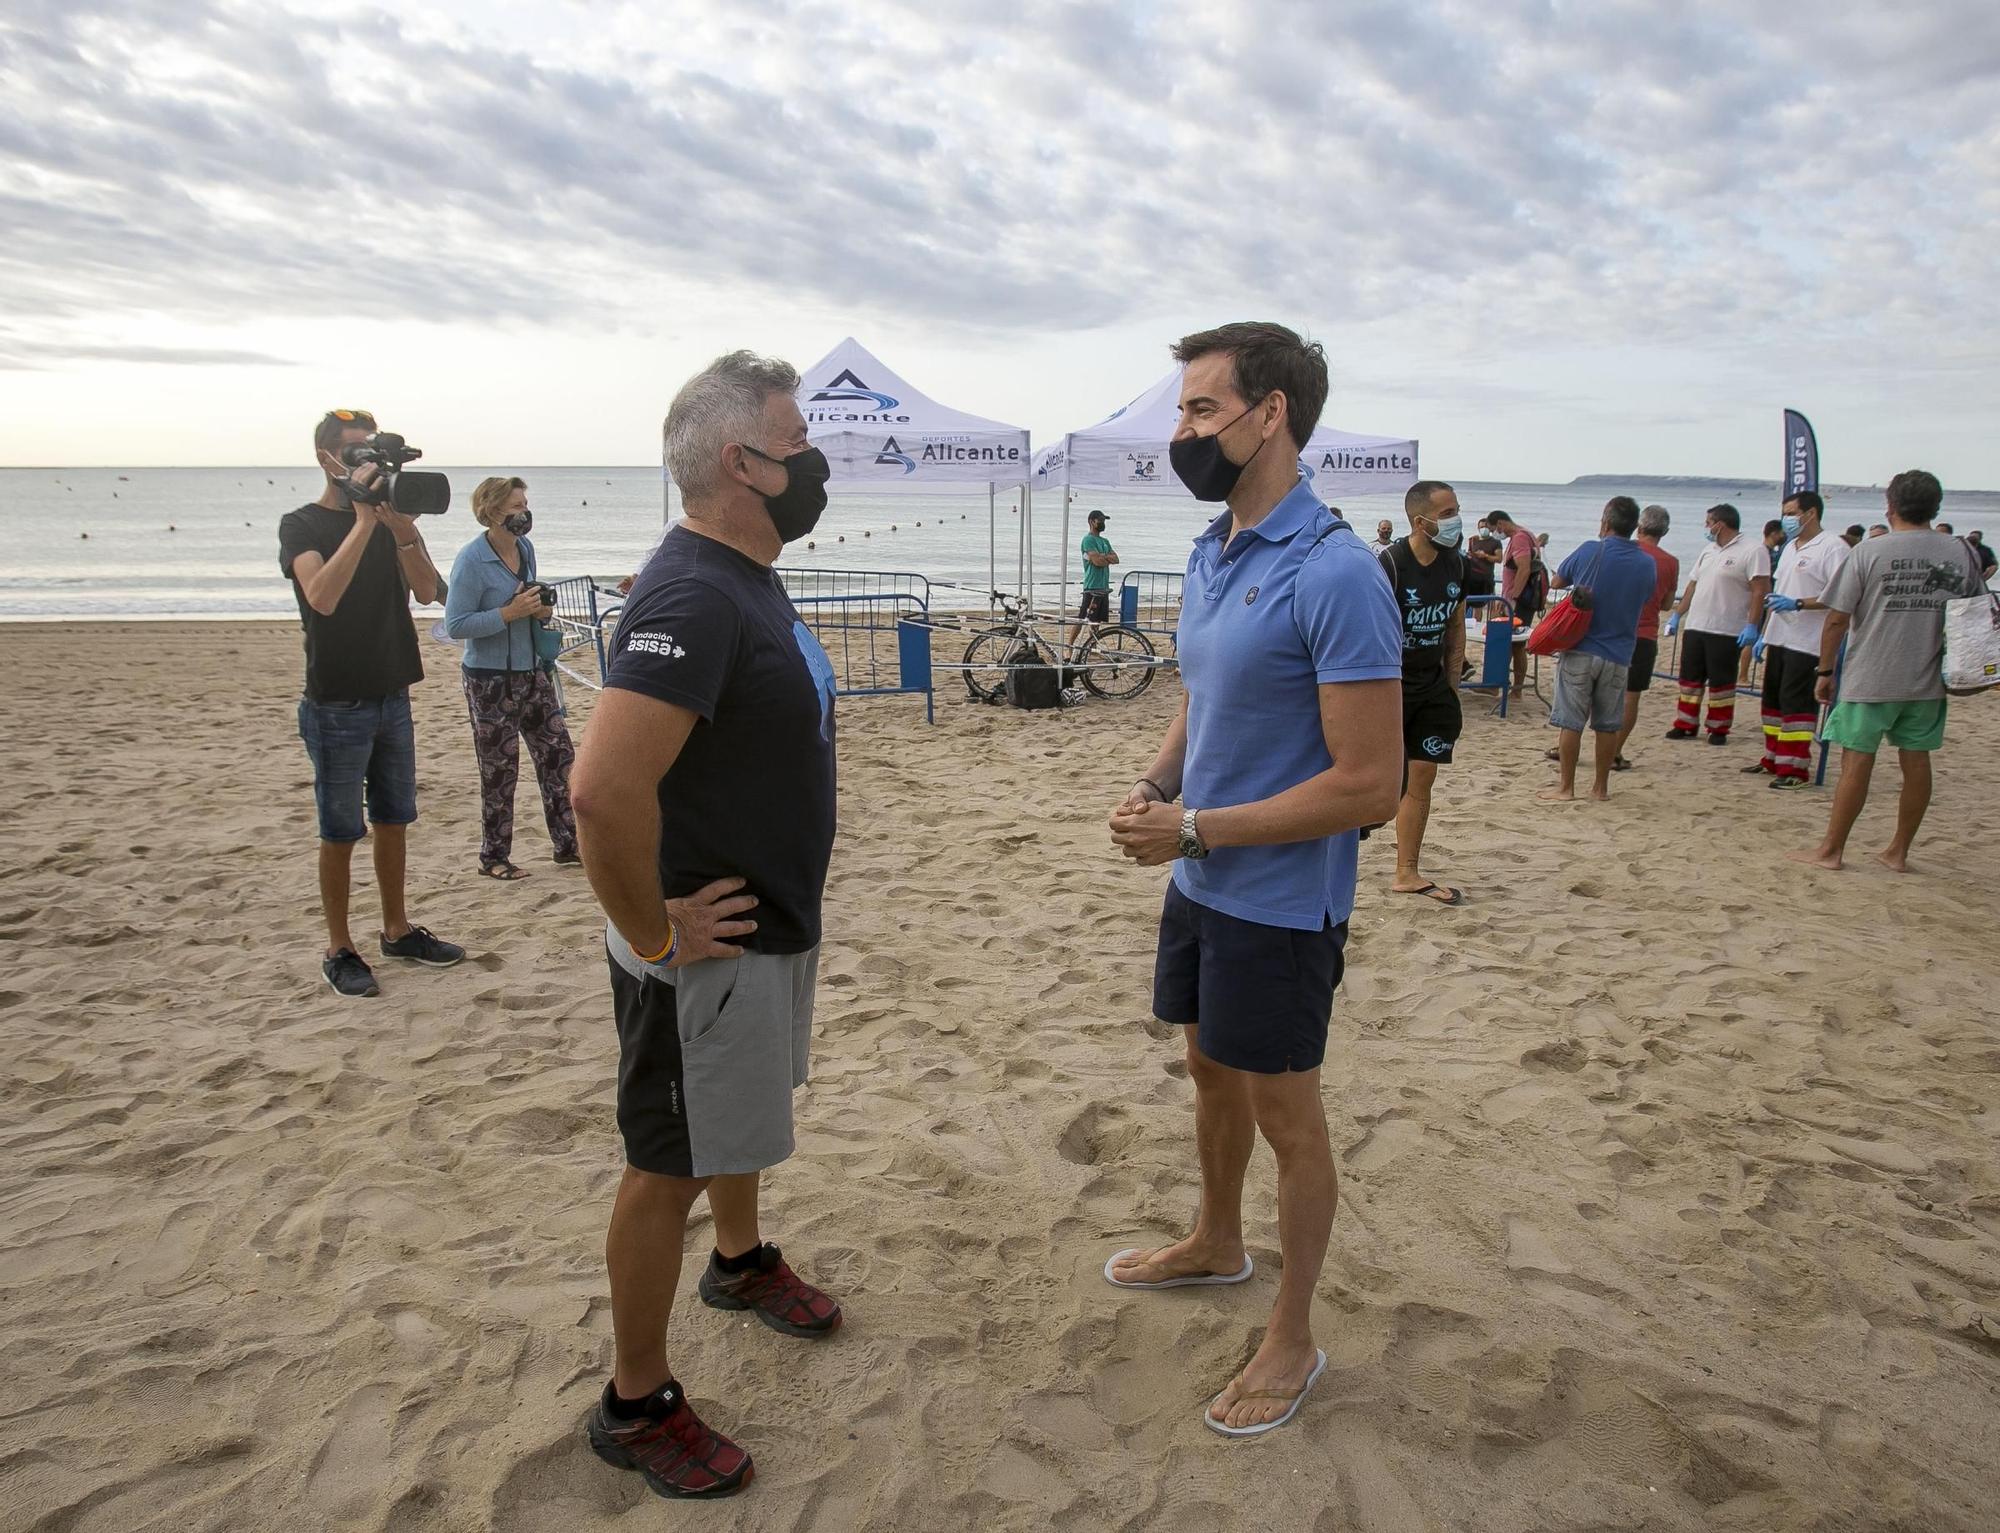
x,y
1429,596
752,793
1478,576
367,646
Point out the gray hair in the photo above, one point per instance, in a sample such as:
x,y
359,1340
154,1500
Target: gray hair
x,y
1653,521
722,403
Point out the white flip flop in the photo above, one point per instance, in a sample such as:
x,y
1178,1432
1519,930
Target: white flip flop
x,y
1191,1280
1319,1367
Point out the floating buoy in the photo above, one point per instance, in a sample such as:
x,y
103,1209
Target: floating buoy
x,y
114,494
85,536
920,524
811,544
892,526
172,528
841,539
246,524
586,502
865,533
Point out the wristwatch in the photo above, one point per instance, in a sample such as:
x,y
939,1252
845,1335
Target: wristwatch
x,y
1191,847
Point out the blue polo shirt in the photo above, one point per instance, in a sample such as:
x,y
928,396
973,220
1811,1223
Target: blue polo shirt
x,y
1296,601
1622,578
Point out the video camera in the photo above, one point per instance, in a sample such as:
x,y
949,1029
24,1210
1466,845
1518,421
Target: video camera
x,y
415,493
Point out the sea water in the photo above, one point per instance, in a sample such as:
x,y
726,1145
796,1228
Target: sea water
x,y
203,542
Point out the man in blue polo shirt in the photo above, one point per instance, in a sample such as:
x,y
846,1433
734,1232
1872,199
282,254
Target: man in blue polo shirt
x,y
1590,679
1289,739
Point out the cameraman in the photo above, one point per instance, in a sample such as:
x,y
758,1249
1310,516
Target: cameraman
x,y
497,608
354,567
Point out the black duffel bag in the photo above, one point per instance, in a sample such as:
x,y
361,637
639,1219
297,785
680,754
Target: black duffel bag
x,y
1034,684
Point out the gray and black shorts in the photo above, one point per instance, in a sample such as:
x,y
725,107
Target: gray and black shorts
x,y
708,1058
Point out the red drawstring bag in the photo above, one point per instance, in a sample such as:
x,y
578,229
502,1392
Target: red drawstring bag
x,y
1567,623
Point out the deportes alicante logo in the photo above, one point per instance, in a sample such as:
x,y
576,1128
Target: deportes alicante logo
x,y
824,405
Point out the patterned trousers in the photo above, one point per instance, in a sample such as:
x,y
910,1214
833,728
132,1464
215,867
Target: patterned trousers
x,y
507,706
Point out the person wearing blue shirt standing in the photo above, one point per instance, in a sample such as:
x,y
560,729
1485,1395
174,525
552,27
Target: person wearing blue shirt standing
x,y
1590,679
1288,741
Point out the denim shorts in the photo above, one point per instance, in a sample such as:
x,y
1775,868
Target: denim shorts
x,y
1590,693
365,750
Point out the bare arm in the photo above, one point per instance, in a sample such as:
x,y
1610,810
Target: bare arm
x,y
414,557
1760,587
1454,647
633,741
1687,600
1362,722
1168,765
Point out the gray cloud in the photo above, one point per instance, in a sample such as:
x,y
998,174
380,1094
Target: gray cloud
x,y
1493,172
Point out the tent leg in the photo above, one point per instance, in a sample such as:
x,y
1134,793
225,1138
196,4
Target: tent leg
x,y
1062,588
992,551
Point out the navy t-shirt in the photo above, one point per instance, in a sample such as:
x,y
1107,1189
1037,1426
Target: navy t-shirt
x,y
752,793
1429,596
1622,578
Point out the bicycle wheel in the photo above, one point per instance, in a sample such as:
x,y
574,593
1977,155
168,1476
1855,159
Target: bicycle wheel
x,y
986,664
1117,663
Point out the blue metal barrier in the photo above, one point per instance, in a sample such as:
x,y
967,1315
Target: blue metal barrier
x,y
1154,595
853,618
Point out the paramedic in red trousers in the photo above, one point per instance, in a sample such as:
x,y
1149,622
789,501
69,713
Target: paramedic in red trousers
x,y
704,798
1288,740
1719,614
1790,646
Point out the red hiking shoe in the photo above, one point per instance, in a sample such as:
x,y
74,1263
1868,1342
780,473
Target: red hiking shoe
x,y
679,1456
781,1299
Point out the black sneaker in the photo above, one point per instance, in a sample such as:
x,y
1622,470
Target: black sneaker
x,y
774,1293
349,975
669,1445
1680,734
421,945
1716,739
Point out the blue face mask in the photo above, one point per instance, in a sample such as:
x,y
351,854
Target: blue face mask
x,y
1449,531
1709,536
1791,525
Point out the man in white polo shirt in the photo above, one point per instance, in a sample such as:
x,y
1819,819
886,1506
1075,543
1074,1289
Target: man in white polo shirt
x,y
1790,645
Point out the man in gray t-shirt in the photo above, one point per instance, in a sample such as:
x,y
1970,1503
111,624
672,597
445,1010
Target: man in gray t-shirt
x,y
1887,604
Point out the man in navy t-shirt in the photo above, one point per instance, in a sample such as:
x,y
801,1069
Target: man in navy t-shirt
x,y
704,792
1590,679
1287,742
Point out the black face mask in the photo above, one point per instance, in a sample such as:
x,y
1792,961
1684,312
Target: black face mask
x,y
795,510
1203,467
521,523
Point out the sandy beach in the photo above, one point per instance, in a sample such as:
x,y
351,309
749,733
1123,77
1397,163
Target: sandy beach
x,y
1670,1198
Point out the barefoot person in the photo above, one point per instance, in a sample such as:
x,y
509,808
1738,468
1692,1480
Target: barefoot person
x,y
1887,601
510,691
354,565
1428,576
1653,525
1288,638
1590,679
704,792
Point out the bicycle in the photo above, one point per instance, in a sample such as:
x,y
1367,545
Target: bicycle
x,y
1116,663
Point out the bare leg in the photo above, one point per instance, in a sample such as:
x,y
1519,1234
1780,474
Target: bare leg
x,y
1568,748
391,842
1520,669
1856,767
1631,723
1413,814
643,1251
733,1201
1225,1129
1910,807
1607,751
1293,1120
336,862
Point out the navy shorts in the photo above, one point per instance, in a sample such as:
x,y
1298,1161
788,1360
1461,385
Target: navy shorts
x,y
364,752
1258,997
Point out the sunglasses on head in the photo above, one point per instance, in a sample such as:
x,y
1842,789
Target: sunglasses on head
x,y
351,417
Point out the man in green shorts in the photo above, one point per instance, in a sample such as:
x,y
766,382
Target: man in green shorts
x,y
1887,602
1098,557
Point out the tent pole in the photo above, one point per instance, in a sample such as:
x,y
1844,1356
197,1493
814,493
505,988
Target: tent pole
x,y
992,550
1062,590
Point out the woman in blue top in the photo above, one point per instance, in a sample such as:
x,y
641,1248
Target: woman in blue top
x,y
492,606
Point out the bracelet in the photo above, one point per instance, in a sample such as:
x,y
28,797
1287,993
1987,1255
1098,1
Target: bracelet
x,y
1165,797
406,547
665,954
1826,673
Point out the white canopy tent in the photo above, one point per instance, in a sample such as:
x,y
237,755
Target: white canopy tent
x,y
1127,450
883,435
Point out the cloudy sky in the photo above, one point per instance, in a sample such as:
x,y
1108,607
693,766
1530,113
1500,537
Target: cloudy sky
x,y
1547,238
